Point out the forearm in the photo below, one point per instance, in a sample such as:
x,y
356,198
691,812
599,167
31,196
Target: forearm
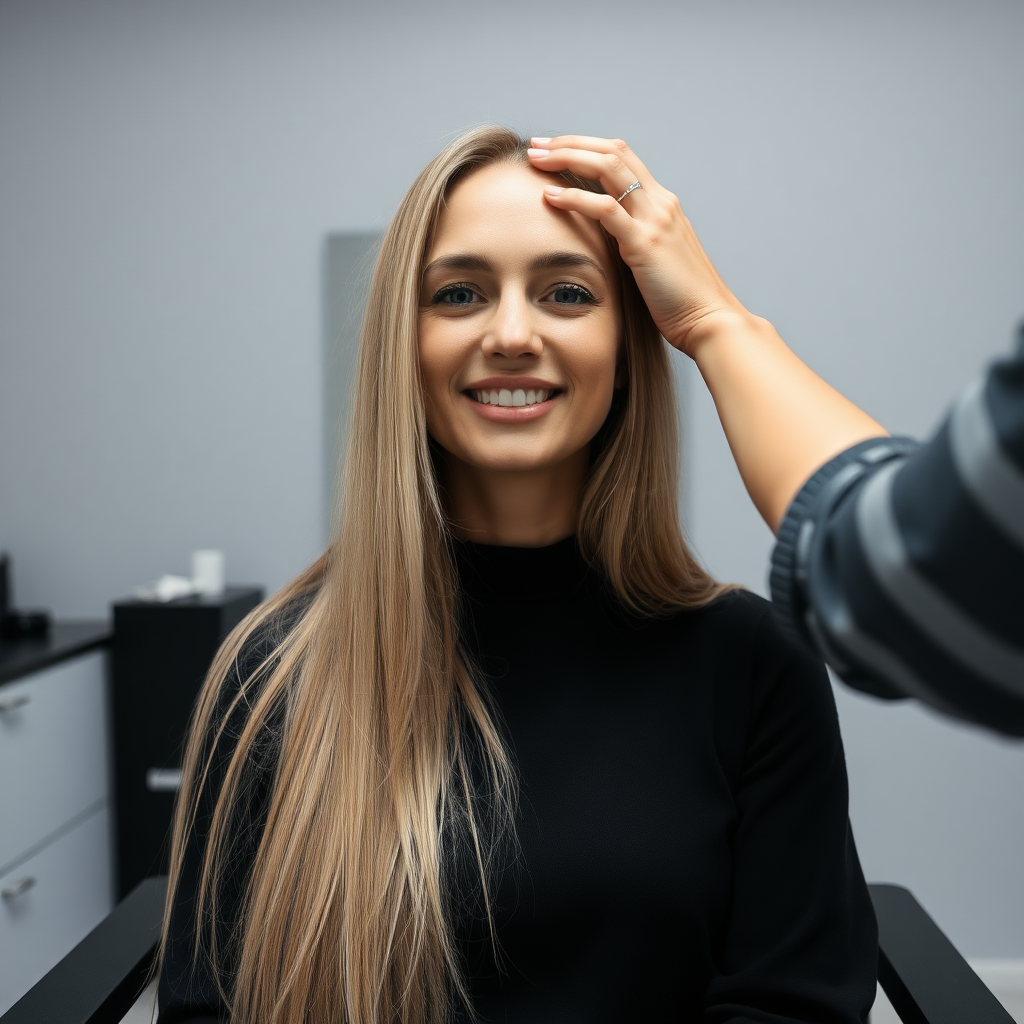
x,y
781,419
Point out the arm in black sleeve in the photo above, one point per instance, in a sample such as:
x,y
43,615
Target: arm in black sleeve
x,y
801,943
903,564
189,992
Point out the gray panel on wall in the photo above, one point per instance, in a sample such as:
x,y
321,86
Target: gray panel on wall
x,y
348,265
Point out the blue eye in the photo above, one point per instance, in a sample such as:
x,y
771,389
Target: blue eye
x,y
572,295
456,295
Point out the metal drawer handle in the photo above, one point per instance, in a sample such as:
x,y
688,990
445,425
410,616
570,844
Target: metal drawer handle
x,y
163,780
22,885
13,703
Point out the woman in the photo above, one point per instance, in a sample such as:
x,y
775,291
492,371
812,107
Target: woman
x,y
505,751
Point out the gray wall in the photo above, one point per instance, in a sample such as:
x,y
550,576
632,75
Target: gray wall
x,y
348,261
169,172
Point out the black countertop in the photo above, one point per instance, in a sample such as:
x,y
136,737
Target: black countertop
x,y
30,654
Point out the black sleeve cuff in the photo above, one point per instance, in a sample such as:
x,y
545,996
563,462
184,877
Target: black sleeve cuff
x,y
811,506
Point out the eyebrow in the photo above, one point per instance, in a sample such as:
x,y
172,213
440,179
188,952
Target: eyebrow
x,y
458,261
549,261
568,260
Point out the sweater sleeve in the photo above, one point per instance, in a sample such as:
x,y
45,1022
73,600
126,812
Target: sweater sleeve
x,y
903,564
190,987
801,941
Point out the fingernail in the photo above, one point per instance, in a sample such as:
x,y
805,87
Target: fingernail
x,y
537,153
553,190
538,141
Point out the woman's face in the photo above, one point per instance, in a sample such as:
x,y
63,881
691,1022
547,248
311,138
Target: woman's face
x,y
519,325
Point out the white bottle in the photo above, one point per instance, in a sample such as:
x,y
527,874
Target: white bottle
x,y
208,572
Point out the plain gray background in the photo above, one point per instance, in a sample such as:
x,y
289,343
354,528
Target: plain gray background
x,y
170,171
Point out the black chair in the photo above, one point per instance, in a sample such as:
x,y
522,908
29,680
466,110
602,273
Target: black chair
x,y
926,979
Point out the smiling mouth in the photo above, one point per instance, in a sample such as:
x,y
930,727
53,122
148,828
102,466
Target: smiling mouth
x,y
514,399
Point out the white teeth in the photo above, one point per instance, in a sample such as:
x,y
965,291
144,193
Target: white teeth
x,y
509,399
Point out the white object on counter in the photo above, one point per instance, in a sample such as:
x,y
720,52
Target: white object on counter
x,y
167,588
163,780
208,572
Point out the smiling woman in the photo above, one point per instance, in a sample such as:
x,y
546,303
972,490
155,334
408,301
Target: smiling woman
x,y
505,752
520,327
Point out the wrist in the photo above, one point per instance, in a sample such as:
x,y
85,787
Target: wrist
x,y
721,328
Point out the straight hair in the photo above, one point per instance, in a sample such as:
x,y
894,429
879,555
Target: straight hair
x,y
361,708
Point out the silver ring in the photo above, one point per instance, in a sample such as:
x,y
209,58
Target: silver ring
x,y
632,188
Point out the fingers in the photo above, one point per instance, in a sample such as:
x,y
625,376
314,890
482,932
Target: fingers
x,y
602,208
655,240
606,147
610,169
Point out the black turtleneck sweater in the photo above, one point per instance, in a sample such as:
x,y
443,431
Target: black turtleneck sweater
x,y
684,849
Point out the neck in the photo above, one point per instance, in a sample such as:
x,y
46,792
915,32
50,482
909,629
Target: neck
x,y
515,508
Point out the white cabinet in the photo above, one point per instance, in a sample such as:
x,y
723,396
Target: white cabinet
x,y
56,874
50,902
54,751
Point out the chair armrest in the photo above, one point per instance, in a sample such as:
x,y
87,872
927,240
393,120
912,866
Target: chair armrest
x,y
926,979
100,979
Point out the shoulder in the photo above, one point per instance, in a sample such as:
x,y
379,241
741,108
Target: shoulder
x,y
737,611
247,661
748,623
737,643
729,628
258,647
758,655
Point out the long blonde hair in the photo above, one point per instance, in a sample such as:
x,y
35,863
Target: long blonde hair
x,y
361,708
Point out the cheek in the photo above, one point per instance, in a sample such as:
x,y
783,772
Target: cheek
x,y
597,402
432,378
436,363
442,354
595,364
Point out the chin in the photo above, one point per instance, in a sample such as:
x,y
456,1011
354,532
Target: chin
x,y
513,465
513,459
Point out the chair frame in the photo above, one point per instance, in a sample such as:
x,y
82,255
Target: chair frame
x,y
926,979
100,979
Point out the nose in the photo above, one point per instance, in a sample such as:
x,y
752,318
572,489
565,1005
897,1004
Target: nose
x,y
512,332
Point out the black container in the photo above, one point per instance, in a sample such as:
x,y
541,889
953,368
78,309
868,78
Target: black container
x,y
161,654
14,624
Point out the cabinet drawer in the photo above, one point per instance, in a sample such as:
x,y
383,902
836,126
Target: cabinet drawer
x,y
53,750
70,893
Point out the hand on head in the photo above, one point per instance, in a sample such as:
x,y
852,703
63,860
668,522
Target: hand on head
x,y
680,285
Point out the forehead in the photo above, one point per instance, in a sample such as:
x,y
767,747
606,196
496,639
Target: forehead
x,y
500,210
